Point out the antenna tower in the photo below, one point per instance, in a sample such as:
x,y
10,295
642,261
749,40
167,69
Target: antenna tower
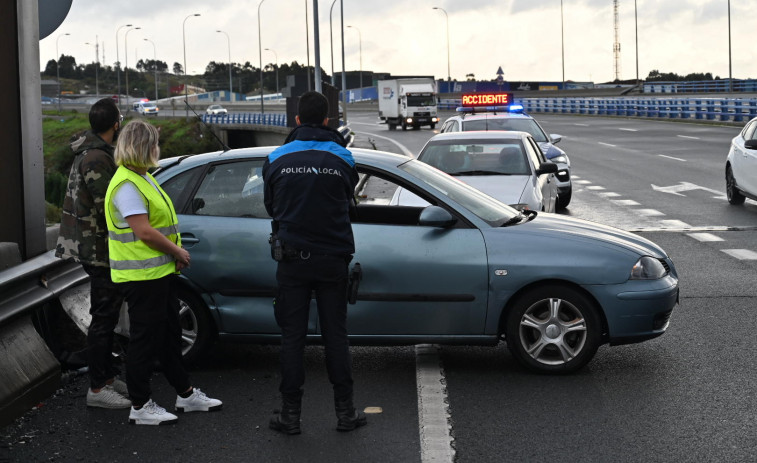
x,y
616,45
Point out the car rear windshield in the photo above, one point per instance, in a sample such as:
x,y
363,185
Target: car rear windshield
x,y
499,123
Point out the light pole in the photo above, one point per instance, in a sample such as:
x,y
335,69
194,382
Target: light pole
x,y
360,41
57,65
730,73
317,48
344,74
260,56
97,62
449,79
331,41
636,27
307,44
126,62
562,43
184,44
228,42
118,65
277,69
154,66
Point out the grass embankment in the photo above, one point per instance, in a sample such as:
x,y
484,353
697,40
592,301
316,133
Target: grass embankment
x,y
177,137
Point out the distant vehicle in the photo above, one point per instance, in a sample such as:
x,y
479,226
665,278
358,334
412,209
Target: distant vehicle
x,y
407,103
216,109
146,108
508,166
478,115
741,165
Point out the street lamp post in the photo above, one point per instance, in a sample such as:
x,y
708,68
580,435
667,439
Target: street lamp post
x,y
184,45
228,42
344,74
449,79
307,44
154,66
360,41
562,44
126,62
97,62
331,41
260,56
317,48
277,69
636,27
730,73
118,65
57,65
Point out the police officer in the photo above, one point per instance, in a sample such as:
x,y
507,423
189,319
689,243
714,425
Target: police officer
x,y
309,187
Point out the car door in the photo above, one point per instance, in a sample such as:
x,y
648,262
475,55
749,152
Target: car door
x,y
417,280
546,182
745,160
225,227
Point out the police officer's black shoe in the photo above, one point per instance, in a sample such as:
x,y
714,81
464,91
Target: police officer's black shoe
x,y
349,418
287,420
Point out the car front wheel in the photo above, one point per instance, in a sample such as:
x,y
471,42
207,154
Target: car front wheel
x,y
564,199
553,329
197,328
734,195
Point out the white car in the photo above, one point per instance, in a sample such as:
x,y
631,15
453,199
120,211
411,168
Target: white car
x,y
508,166
216,109
147,108
741,165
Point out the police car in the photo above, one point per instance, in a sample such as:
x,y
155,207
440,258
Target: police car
x,y
496,111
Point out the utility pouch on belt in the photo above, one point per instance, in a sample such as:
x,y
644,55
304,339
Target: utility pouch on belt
x,y
356,274
277,249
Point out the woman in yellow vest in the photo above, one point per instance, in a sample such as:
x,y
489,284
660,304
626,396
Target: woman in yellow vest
x,y
145,258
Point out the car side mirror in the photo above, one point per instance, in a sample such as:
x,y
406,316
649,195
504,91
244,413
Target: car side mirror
x,y
435,216
555,138
750,144
547,168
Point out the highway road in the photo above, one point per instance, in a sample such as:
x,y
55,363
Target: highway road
x,y
685,396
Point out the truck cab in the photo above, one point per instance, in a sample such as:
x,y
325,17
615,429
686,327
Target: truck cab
x,y
408,103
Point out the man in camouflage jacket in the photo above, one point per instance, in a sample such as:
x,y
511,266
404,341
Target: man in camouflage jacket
x,y
84,238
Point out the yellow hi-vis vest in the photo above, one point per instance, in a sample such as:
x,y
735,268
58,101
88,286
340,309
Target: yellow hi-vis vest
x,y
130,258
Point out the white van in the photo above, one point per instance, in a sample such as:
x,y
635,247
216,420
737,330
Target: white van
x,y
146,108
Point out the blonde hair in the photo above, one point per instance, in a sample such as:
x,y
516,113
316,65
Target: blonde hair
x,y
137,145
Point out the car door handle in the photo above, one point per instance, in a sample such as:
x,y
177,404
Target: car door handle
x,y
189,239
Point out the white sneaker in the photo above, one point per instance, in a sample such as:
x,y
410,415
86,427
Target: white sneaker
x,y
151,414
197,402
120,387
107,398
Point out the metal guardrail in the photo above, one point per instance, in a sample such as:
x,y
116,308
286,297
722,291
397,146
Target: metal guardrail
x,y
32,283
704,109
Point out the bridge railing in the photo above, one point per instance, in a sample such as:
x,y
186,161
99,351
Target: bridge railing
x,y
711,109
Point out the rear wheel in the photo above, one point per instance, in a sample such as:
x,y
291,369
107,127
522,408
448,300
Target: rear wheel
x,y
433,126
198,332
732,192
553,329
392,126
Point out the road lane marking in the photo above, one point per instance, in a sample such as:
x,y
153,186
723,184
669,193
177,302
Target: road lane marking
x,y
581,125
741,254
582,182
628,130
685,186
687,136
625,202
648,212
688,228
705,237
595,187
402,147
609,194
675,224
671,157
433,412
607,144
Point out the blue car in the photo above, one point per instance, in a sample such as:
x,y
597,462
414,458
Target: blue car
x,y
463,269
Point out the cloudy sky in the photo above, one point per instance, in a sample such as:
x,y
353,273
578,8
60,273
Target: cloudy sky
x,y
409,37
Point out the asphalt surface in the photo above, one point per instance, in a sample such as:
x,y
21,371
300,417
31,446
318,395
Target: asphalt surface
x,y
686,396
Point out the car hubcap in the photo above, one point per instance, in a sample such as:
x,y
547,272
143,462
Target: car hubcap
x,y
553,331
188,322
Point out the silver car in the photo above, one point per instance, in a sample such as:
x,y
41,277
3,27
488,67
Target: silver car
x,y
508,166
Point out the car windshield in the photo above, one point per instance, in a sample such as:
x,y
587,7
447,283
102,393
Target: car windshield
x,y
476,157
500,123
148,105
421,100
485,207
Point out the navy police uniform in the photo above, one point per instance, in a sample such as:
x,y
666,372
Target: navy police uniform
x,y
309,186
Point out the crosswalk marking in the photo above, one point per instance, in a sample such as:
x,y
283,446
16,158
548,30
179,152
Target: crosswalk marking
x,y
741,254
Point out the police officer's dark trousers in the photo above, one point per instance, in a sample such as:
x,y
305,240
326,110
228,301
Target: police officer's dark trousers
x,y
106,300
154,332
297,278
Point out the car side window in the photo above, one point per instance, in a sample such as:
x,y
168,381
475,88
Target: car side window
x,y
749,131
445,126
232,189
534,154
455,127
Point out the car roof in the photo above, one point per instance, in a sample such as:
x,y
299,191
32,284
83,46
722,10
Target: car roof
x,y
492,115
480,135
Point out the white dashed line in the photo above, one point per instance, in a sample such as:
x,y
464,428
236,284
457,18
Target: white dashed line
x,y
582,182
671,157
648,212
628,130
686,136
677,224
741,254
582,125
607,144
705,237
433,413
625,202
595,187
609,194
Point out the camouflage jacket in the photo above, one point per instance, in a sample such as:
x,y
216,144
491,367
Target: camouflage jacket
x,y
83,231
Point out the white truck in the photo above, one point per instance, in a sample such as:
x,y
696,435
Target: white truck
x,y
407,103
